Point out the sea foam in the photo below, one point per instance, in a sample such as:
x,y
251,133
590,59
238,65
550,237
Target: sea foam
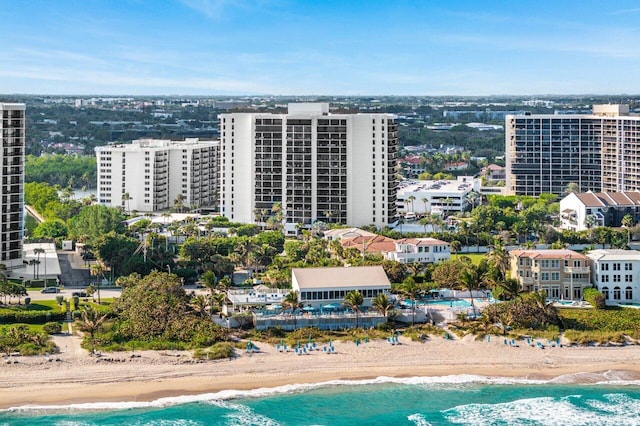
x,y
548,411
608,378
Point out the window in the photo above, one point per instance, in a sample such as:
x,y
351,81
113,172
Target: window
x,y
605,293
605,278
628,293
555,263
616,266
555,276
544,263
628,267
605,267
616,278
545,276
616,293
628,278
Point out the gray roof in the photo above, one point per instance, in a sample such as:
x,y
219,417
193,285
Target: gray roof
x,y
351,277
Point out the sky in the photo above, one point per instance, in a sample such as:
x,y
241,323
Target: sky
x,y
319,47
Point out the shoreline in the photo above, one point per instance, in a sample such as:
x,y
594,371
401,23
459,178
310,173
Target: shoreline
x,y
78,378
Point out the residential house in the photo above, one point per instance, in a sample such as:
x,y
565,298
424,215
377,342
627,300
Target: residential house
x,y
616,273
562,274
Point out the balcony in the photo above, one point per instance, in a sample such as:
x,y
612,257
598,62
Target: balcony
x,y
577,270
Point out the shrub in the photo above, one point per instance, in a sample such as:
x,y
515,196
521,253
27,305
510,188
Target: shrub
x,y
217,351
27,301
59,299
52,328
76,302
29,317
593,296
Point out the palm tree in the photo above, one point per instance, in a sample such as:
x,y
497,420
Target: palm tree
x,y
354,301
199,305
210,281
499,258
627,222
91,321
425,201
411,290
126,197
469,280
472,198
38,251
572,188
382,304
292,302
411,199
97,270
510,288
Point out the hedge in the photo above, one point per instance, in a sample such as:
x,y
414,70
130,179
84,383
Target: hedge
x,y
30,317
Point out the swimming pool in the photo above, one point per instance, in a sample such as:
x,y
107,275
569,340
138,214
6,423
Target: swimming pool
x,y
453,303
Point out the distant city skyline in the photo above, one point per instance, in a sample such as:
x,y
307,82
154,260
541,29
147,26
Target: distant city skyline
x,y
332,47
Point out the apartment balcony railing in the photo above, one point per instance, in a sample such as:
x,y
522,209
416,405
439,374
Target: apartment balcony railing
x,y
577,269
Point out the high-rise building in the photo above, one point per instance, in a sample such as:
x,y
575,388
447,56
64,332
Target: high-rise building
x,y
598,152
150,175
337,168
13,143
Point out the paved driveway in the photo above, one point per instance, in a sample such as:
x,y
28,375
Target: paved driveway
x,y
74,270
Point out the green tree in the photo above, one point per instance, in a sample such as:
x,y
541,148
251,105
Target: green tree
x,y
410,290
95,221
354,300
292,302
627,222
91,321
51,228
382,304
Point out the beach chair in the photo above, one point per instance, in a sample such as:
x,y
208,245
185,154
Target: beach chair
x,y
540,345
514,344
505,342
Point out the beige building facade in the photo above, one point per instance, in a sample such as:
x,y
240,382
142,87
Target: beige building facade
x,y
562,274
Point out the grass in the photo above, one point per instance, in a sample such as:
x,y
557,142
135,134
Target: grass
x,y
37,328
475,257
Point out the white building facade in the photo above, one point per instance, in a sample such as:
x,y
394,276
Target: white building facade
x,y
420,250
154,173
338,168
12,129
616,273
436,197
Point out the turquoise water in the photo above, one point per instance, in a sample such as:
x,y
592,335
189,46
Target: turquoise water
x,y
457,303
448,400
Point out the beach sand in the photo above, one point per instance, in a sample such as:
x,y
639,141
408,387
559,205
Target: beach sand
x,y
75,377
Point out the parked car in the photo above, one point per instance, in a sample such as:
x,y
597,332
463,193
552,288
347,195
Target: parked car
x,y
80,293
50,290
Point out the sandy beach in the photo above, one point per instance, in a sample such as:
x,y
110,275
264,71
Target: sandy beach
x,y
75,377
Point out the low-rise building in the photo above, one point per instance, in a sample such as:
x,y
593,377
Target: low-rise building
x,y
436,197
588,209
616,273
318,287
420,250
562,274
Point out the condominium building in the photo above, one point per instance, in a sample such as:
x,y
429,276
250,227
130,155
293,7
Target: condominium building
x,y
338,168
562,274
153,175
616,273
599,151
420,250
12,127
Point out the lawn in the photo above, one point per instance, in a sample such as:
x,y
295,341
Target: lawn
x,y
475,257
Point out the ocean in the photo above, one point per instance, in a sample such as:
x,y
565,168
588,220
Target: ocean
x,y
582,399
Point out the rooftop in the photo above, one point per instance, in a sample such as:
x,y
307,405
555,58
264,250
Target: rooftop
x,y
548,254
351,277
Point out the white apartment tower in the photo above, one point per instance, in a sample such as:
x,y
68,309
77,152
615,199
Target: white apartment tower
x,y
154,173
338,168
598,151
12,127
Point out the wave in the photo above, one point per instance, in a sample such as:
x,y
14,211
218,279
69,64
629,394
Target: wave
x,y
575,410
609,378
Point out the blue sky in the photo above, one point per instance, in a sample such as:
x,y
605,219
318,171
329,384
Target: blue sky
x,y
326,47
